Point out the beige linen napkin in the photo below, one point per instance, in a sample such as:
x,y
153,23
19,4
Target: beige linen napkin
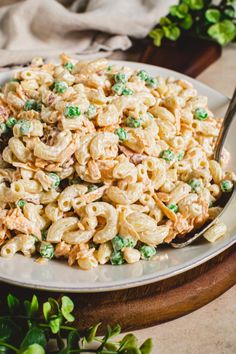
x,y
47,27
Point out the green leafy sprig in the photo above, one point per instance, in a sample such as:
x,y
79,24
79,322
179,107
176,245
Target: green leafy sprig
x,y
201,18
31,328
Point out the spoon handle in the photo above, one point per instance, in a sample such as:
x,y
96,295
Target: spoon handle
x,y
225,127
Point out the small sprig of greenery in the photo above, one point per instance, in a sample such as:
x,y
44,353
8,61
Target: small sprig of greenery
x,y
31,328
199,18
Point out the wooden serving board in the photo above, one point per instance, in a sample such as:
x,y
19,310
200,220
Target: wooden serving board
x,y
187,55
150,304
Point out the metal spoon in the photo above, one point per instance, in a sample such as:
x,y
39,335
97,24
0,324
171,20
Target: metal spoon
x,y
180,242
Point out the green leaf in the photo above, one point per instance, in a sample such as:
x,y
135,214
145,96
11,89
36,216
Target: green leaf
x,y
212,15
32,306
46,310
5,329
194,4
172,33
187,22
55,324
12,303
10,332
64,351
73,340
165,21
35,335
130,350
66,308
54,305
179,11
111,347
33,349
175,33
114,331
223,32
157,35
91,334
166,30
146,347
128,341
183,8
229,12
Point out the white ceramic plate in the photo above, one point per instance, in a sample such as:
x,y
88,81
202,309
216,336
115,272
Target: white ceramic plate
x,y
58,276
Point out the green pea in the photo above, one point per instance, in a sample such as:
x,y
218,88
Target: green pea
x,y
129,242
91,112
122,134
3,128
147,252
72,112
69,66
21,203
143,75
118,88
11,121
173,207
151,82
127,92
133,123
75,180
92,188
118,243
168,155
55,179
109,68
25,126
195,183
200,114
46,250
116,258
226,185
60,86
33,105
120,78
180,156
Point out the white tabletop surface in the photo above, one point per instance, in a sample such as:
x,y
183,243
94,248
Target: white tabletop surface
x,y
211,329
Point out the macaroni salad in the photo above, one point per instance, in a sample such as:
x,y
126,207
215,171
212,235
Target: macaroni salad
x,y
101,163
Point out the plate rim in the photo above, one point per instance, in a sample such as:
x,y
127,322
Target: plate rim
x,y
148,279
130,285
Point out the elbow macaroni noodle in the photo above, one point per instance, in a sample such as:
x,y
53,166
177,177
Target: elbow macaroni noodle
x,y
102,164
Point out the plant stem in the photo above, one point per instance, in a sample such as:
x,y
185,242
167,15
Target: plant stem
x,y
90,351
6,345
67,328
